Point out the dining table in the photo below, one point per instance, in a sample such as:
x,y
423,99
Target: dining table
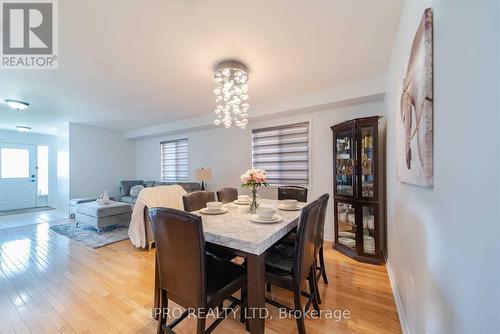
x,y
234,230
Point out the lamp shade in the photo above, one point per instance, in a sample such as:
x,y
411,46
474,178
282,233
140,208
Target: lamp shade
x,y
204,174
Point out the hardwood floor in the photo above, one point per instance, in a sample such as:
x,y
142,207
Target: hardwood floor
x,y
51,284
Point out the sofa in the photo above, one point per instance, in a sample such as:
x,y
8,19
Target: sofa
x,y
125,187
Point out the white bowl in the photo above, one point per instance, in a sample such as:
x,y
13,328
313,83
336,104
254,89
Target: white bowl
x,y
290,203
265,212
214,206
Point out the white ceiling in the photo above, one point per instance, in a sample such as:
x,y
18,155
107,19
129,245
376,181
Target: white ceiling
x,y
131,64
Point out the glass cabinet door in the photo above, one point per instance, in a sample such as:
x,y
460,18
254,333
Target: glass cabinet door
x,y
367,161
346,225
345,163
368,214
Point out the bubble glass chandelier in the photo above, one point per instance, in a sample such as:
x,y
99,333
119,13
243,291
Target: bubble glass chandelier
x,y
231,94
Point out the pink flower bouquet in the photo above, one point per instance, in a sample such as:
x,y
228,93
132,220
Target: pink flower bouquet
x,y
254,179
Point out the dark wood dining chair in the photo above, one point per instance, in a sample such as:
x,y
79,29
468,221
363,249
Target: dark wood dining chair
x,y
187,275
198,200
321,236
320,240
291,240
227,195
292,192
289,268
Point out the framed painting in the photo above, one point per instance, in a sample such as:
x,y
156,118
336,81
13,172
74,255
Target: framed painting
x,y
415,118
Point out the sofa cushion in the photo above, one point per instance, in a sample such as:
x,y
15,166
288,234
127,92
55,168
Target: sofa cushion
x,y
94,209
128,199
161,183
125,186
135,190
149,184
190,186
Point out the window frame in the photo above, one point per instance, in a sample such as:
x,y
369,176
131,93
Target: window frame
x,y
308,123
177,179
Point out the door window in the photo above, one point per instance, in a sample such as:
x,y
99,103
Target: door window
x,y
14,163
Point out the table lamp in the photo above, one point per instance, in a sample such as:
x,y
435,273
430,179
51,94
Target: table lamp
x,y
203,175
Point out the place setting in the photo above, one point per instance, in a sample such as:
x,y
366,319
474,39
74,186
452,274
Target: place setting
x,y
242,200
289,205
214,208
265,215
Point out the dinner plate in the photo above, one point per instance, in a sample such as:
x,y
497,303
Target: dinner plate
x,y
241,202
346,234
209,212
256,219
347,242
284,208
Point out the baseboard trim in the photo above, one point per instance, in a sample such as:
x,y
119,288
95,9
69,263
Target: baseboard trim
x,y
397,298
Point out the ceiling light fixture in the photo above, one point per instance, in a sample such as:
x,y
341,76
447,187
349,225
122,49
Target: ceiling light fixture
x,y
21,128
231,94
15,104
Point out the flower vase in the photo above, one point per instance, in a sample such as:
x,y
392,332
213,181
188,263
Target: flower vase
x,y
253,203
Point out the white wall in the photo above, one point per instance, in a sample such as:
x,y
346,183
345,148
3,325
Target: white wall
x,y
443,241
99,160
63,168
228,152
15,137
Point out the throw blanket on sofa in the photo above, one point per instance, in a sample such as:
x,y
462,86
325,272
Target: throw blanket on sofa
x,y
163,196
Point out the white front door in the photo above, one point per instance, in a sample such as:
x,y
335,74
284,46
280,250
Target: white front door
x,y
17,176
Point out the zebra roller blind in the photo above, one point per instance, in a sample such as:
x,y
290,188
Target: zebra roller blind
x,y
283,151
175,160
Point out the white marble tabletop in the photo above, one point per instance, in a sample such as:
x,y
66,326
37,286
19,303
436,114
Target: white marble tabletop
x,y
234,228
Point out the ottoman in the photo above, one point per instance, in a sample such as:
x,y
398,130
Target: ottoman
x,y
100,216
74,202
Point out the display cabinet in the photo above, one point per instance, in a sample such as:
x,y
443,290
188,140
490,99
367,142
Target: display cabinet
x,y
359,205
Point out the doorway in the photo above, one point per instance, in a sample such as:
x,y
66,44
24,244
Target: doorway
x,y
18,172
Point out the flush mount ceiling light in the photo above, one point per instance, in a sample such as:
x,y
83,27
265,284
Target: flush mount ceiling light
x,y
231,94
15,104
21,128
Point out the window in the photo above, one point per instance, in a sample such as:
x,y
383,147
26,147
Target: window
x,y
43,170
175,160
283,151
15,163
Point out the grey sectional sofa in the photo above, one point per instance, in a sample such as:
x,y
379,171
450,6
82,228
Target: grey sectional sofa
x,y
125,187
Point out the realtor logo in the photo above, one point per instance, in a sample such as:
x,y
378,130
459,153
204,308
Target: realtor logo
x,y
29,34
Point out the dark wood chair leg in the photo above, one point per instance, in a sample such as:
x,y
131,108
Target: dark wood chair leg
x,y
298,308
316,280
268,287
322,265
318,297
156,301
313,288
163,305
200,325
243,305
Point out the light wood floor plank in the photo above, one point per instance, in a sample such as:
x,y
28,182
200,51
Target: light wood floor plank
x,y
51,284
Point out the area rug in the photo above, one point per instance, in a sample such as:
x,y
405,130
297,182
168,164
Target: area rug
x,y
87,235
17,211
